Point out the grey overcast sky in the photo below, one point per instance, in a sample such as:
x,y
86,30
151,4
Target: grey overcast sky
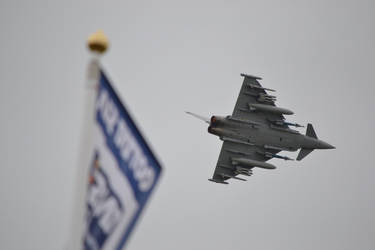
x,y
170,56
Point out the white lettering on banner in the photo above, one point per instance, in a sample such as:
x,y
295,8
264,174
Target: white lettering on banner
x,y
130,150
105,206
109,111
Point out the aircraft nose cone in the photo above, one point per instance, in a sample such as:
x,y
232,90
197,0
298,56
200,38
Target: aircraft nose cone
x,y
324,145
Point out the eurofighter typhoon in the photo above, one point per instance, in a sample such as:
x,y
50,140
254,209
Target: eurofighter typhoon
x,y
256,132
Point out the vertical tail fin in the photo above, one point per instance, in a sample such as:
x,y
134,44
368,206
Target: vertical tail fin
x,y
310,131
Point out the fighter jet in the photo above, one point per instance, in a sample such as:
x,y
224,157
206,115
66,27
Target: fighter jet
x,y
256,132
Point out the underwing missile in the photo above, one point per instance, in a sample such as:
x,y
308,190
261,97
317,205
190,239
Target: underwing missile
x,y
286,158
279,148
266,98
294,124
243,171
270,155
234,177
252,163
282,123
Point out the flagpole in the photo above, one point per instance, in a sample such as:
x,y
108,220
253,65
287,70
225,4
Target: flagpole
x,y
97,44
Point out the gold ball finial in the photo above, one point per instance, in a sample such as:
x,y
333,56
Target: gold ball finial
x,y
98,42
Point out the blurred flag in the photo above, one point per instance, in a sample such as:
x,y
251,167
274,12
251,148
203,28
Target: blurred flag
x,y
122,173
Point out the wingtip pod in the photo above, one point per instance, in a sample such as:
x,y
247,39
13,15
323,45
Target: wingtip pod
x,y
218,181
251,76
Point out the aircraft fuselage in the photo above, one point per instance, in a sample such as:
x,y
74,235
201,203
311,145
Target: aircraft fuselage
x,y
263,135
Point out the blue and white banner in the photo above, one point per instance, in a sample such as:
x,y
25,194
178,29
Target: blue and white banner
x,y
122,174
